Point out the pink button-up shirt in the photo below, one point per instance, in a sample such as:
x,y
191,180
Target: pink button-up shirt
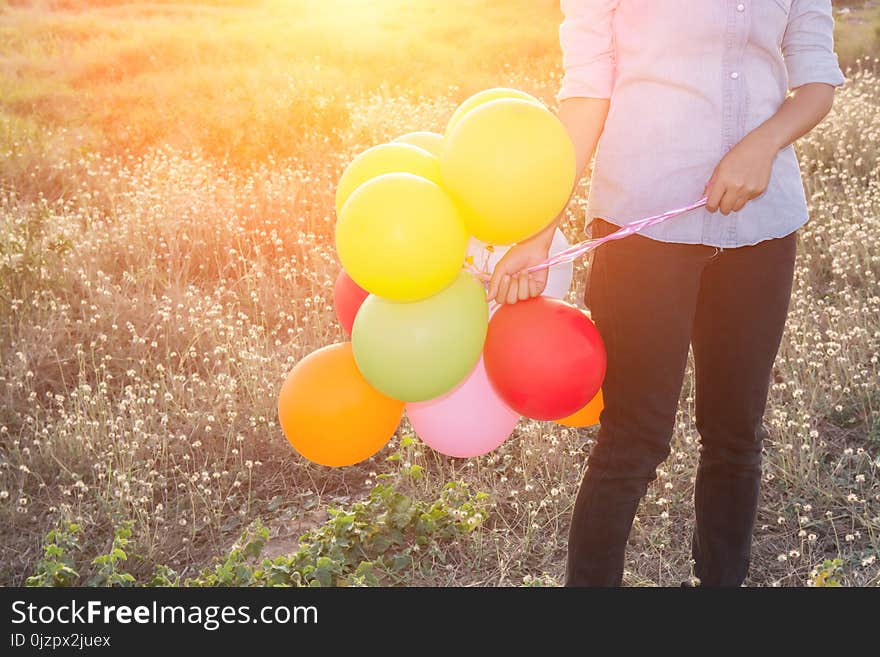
x,y
687,80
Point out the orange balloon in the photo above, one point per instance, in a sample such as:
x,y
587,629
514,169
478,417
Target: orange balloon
x,y
330,414
587,416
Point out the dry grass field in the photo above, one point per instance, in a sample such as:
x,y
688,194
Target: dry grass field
x,y
167,172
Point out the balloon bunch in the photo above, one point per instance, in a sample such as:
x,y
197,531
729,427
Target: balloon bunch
x,y
416,219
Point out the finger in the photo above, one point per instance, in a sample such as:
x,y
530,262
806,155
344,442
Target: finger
x,y
495,282
741,201
541,279
728,201
501,293
709,184
522,283
716,192
493,287
534,287
513,290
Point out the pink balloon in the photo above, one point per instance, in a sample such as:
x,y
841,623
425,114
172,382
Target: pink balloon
x,y
470,420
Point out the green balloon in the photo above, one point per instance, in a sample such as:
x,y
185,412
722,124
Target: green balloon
x,y
421,350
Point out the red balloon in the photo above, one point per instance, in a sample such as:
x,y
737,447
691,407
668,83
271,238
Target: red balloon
x,y
544,357
347,299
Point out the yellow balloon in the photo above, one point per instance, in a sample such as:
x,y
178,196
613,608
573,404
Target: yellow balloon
x,y
510,165
429,141
386,158
587,416
401,237
485,96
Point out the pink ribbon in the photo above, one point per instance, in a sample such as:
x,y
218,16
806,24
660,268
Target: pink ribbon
x,y
575,251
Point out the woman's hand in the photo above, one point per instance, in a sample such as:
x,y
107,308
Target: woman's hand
x,y
510,283
742,174
584,120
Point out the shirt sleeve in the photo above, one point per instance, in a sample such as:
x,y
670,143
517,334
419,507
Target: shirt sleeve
x,y
586,36
808,44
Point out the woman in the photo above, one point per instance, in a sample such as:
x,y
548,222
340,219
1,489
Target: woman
x,y
689,98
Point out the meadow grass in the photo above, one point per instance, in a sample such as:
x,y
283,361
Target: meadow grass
x,y
857,29
167,173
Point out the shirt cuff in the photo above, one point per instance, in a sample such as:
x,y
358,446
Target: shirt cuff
x,y
805,68
594,80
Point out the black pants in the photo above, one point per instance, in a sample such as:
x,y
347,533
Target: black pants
x,y
650,301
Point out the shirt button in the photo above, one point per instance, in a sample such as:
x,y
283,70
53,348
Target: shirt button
x,y
734,75
740,7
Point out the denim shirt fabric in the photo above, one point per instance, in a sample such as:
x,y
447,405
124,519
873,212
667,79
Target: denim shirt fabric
x,y
688,79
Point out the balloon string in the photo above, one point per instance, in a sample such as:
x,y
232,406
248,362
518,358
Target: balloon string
x,y
582,248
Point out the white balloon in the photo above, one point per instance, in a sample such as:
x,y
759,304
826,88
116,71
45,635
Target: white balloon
x,y
485,257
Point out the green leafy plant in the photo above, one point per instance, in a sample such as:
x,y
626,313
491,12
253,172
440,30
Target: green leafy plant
x,y
375,542
57,567
164,576
107,566
378,540
828,572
